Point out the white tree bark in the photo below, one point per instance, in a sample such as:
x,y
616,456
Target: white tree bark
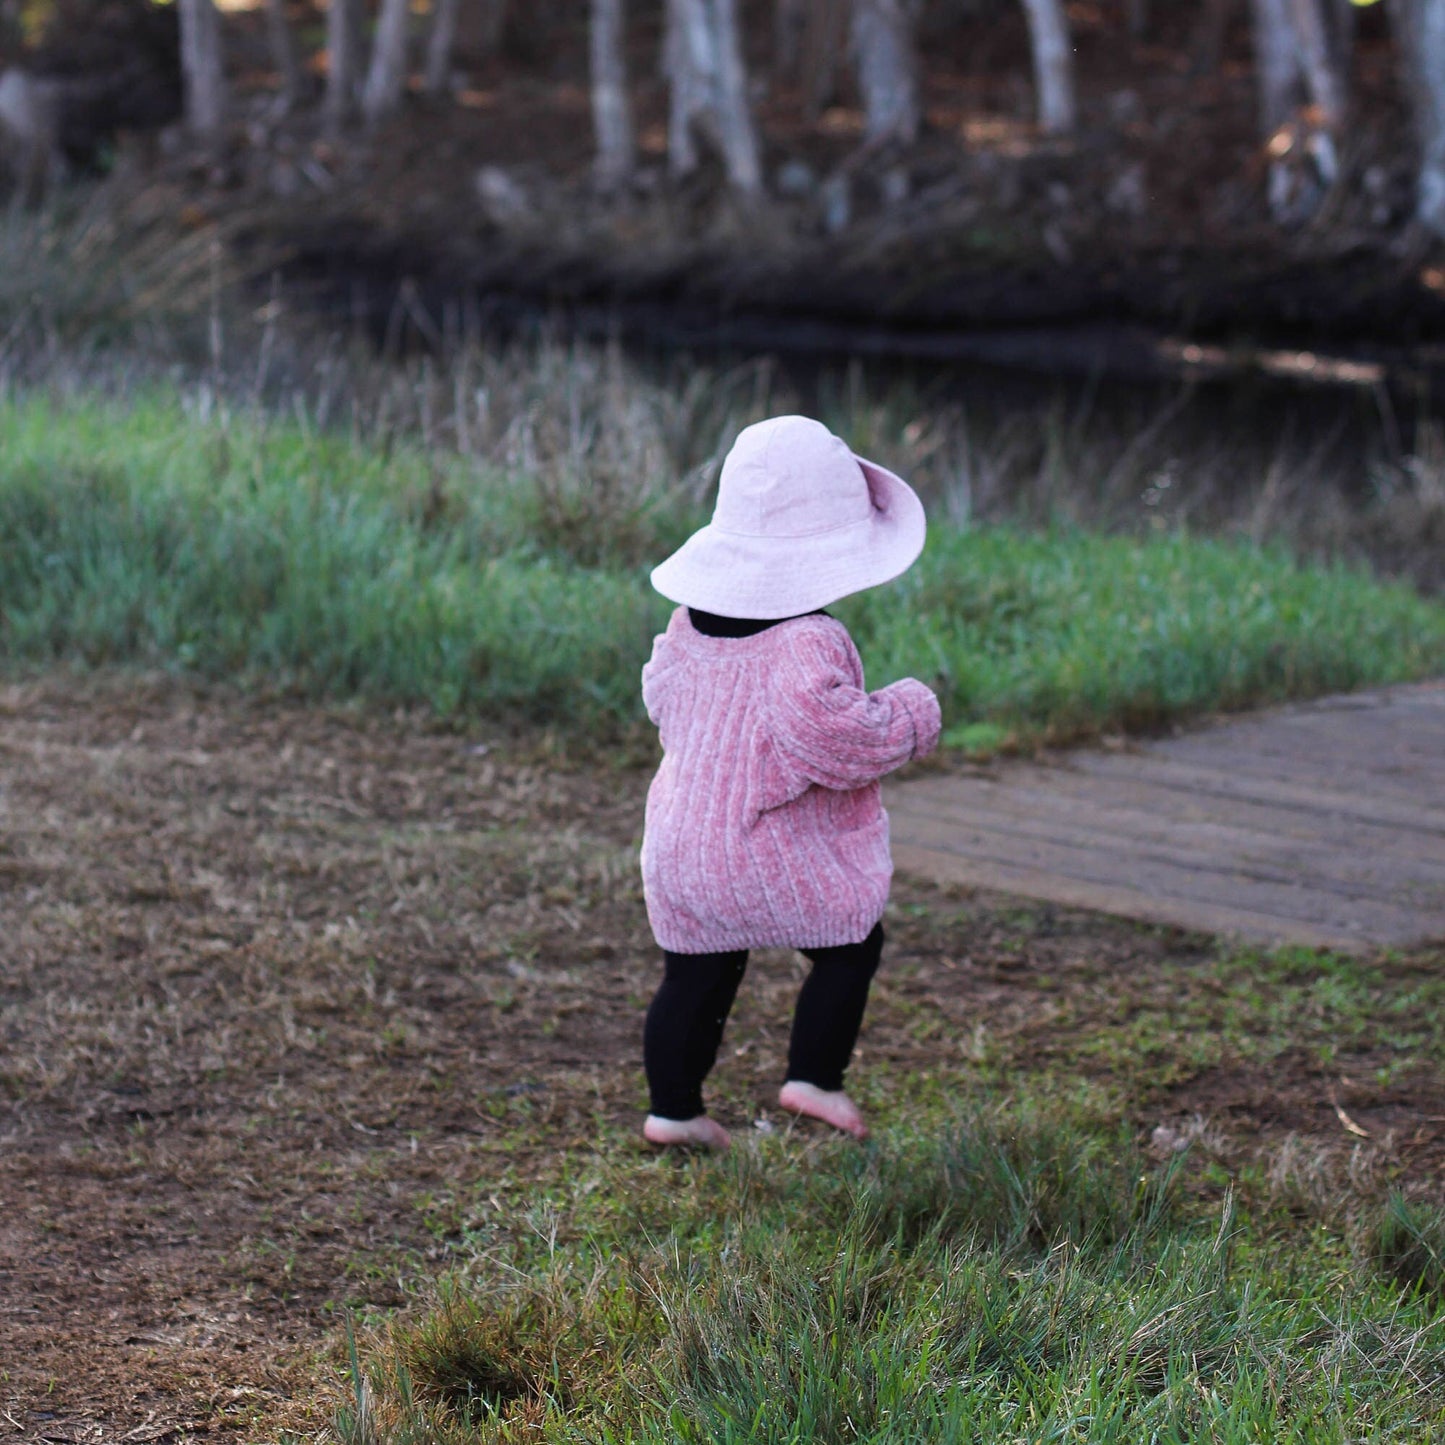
x,y
30,131
386,80
737,136
202,74
1420,26
1319,61
611,110
343,56
684,57
1279,76
439,46
709,90
283,55
1053,65
884,53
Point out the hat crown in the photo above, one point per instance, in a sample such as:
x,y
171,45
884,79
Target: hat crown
x,y
790,477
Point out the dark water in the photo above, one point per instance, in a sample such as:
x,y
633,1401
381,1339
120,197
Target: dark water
x,y
1368,399
1114,424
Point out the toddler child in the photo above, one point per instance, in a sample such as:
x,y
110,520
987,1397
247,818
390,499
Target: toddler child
x,y
765,827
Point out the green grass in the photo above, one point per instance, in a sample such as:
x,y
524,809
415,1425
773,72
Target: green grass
x,y
1011,1259
236,547
1072,633
1336,1014
1016,1275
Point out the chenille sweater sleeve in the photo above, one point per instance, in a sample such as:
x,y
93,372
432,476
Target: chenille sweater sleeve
x,y
829,729
655,677
652,686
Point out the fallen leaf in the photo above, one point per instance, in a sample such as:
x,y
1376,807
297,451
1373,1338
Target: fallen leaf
x,y
1350,1124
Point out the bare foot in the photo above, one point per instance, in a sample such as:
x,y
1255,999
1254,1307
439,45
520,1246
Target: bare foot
x,y
698,1133
831,1106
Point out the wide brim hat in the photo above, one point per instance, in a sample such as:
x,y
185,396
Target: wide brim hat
x,y
800,522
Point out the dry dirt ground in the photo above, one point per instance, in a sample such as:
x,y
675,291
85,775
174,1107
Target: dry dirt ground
x,y
274,981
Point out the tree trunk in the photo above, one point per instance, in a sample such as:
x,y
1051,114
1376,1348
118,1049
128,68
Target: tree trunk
x,y
30,132
611,110
1053,65
283,55
1278,76
494,24
386,80
1318,60
790,17
824,31
1340,19
343,56
709,90
883,51
736,134
201,70
684,50
1206,39
1420,41
439,46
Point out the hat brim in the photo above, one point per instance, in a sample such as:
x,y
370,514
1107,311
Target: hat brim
x,y
735,575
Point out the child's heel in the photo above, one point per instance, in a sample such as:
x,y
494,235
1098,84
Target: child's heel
x,y
698,1133
831,1106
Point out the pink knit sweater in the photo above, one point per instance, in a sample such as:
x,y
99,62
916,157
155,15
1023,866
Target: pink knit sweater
x,y
765,826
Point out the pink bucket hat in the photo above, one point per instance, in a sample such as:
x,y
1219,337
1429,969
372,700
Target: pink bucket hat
x,y
800,522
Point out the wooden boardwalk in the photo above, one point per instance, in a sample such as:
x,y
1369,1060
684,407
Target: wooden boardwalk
x,y
1322,823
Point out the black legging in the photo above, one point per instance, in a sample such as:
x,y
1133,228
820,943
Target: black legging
x,y
685,1021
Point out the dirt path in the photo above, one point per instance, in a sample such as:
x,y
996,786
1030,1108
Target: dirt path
x,y
281,991
261,973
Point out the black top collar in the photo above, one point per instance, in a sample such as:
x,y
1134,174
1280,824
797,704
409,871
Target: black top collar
x,y
711,625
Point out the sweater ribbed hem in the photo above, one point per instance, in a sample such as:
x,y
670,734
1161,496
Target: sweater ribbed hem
x,y
838,933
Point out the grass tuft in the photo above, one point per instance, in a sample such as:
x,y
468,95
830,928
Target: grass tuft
x,y
1027,1183
1410,1243
476,1357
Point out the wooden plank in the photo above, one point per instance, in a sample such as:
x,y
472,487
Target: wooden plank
x,y
1409,719
1420,702
1119,898
1158,806
1301,757
1321,823
1279,896
1208,846
1402,697
1222,783
1408,731
1161,806
1291,899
